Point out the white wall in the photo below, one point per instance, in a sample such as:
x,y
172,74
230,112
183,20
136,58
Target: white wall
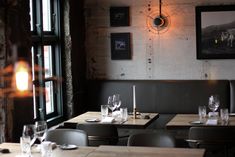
x,y
172,54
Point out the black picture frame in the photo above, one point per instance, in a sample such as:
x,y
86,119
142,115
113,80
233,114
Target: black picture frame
x,y
119,16
215,32
120,46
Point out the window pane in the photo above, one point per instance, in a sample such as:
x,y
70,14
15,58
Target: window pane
x,y
48,61
49,97
46,6
31,14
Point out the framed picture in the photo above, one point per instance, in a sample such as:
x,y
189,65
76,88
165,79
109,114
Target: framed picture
x,y
215,32
120,46
119,16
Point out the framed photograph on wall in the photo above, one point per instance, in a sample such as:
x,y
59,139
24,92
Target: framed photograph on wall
x,y
119,16
215,32
120,46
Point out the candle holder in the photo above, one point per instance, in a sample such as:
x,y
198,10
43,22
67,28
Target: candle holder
x,y
134,113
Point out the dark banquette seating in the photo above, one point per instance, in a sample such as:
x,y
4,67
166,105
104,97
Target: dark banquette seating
x,y
166,97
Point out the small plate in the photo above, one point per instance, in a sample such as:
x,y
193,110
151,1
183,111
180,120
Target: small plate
x,y
93,120
196,122
68,146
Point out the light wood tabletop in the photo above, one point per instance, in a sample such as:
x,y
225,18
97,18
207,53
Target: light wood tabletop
x,y
107,151
127,151
15,151
140,122
185,121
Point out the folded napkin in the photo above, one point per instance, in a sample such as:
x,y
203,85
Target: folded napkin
x,y
107,120
213,114
212,122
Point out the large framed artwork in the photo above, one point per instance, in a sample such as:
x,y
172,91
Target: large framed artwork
x,y
215,32
120,46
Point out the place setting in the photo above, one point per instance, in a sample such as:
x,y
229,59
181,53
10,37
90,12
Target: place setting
x,y
33,140
117,113
213,117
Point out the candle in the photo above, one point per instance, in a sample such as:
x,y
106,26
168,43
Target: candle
x,y
134,101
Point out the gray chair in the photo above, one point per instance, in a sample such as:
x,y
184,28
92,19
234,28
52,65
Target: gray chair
x,y
100,134
67,136
217,140
155,139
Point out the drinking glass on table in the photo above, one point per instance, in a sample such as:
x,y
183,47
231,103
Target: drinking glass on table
x,y
25,145
224,116
213,104
202,113
124,114
40,130
104,111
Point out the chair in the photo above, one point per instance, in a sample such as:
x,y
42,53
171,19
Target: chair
x,y
215,139
100,134
67,136
155,139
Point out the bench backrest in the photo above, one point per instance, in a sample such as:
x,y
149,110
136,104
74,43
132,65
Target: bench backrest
x,y
162,96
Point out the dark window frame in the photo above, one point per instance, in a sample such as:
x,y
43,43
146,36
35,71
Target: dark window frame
x,y
40,39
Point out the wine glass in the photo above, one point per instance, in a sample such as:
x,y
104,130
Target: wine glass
x,y
40,129
213,103
111,104
29,131
116,101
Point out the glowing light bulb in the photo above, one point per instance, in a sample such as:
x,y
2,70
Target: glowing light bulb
x,y
22,76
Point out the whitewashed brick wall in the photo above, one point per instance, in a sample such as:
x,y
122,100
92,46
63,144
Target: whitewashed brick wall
x,y
172,54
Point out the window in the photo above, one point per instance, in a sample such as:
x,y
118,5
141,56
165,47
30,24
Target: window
x,y
46,59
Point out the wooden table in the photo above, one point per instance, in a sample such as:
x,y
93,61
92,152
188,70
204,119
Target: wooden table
x,y
140,122
15,151
108,151
182,121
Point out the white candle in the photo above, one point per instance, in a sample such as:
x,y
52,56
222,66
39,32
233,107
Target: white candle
x,y
134,101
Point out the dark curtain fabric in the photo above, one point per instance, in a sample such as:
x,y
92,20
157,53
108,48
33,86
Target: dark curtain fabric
x,y
15,43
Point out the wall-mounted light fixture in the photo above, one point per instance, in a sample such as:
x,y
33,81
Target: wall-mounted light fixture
x,y
21,80
157,21
17,78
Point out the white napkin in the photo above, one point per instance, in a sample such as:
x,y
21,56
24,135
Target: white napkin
x,y
107,120
211,114
212,122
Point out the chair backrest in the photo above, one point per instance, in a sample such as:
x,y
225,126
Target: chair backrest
x,y
211,136
100,134
156,139
67,136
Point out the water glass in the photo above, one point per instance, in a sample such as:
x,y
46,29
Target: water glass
x,y
25,145
124,113
104,111
202,113
224,115
46,149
